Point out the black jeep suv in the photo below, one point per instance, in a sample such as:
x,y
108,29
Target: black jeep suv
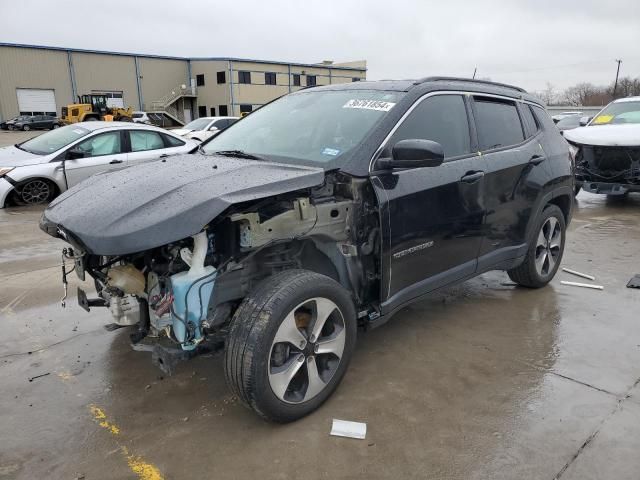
x,y
326,210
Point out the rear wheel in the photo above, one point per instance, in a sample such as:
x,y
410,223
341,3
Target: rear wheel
x,y
54,126
290,343
26,128
545,251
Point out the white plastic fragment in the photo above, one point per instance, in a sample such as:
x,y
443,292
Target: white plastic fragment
x,y
584,285
344,428
583,275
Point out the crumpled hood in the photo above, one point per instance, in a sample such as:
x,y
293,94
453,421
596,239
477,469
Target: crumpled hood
x,y
160,202
14,157
606,135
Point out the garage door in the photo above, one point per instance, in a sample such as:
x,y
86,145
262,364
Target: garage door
x,y
36,101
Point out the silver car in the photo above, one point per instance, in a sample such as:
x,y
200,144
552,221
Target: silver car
x,y
35,171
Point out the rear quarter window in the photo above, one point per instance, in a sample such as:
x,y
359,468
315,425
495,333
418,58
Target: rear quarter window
x,y
498,123
172,141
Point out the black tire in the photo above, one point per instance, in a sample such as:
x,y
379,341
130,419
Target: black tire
x,y
250,347
54,126
576,189
26,128
528,274
36,191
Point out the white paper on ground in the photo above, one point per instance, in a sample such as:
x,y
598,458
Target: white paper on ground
x,y
344,428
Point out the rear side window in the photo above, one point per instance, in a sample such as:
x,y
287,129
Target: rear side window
x,y
102,144
543,118
498,123
142,140
531,126
172,141
442,119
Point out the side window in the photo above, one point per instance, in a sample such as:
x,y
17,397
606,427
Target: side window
x,y
442,119
498,123
172,141
219,124
103,144
543,118
530,123
142,140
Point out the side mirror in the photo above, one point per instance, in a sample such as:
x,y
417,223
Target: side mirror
x,y
74,154
413,153
584,121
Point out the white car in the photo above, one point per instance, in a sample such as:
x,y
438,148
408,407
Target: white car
x,y
35,171
141,117
204,128
607,149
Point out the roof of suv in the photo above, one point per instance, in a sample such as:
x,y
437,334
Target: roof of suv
x,y
435,83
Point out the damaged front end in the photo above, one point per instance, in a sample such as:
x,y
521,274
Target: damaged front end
x,y
612,170
181,296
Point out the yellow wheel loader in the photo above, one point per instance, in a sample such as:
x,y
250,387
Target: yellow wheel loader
x,y
94,107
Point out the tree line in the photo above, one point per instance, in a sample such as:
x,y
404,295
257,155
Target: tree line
x,y
589,95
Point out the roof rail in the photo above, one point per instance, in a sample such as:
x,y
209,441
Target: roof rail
x,y
470,80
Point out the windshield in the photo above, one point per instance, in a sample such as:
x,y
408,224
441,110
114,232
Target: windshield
x,y
618,113
199,124
315,127
53,140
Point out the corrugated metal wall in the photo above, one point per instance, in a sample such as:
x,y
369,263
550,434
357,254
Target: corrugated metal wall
x,y
32,68
160,76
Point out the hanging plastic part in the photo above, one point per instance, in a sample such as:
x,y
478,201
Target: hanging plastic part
x,y
191,292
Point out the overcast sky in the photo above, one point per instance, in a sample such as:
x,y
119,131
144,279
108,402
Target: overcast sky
x,y
522,42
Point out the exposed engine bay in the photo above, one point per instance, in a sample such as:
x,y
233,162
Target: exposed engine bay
x,y
611,164
186,292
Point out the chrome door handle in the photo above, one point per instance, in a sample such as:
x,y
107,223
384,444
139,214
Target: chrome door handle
x,y
115,162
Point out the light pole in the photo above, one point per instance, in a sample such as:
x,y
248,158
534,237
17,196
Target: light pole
x,y
615,85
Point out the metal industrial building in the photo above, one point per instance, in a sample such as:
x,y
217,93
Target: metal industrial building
x,y
39,79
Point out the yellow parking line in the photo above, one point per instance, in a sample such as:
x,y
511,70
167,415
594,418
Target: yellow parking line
x,y
143,469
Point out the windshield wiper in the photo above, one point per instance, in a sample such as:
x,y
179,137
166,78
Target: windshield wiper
x,y
238,154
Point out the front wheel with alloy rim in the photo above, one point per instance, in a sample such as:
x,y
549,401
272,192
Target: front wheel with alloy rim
x,y
290,343
545,251
35,192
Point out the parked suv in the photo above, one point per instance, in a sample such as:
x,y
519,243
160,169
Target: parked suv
x,y
326,210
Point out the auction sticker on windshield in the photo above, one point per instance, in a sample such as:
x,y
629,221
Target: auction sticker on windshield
x,y
369,105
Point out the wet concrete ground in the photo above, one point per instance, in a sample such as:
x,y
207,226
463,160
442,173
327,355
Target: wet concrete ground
x,y
484,380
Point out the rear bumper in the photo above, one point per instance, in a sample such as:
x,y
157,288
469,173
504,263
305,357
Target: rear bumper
x,y
608,188
5,189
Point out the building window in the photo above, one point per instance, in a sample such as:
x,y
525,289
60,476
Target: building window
x,y
356,79
213,111
202,111
296,80
311,80
200,80
222,77
224,111
245,108
244,77
269,78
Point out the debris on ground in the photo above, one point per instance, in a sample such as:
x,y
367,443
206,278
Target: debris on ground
x,y
344,428
578,274
634,282
583,285
31,379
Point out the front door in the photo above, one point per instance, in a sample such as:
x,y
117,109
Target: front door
x,y
99,153
432,218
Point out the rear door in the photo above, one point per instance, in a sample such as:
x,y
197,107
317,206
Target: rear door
x,y
509,140
147,145
432,217
101,152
